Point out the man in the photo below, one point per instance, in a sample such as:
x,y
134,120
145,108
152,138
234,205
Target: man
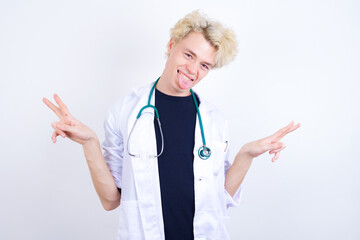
x,y
167,187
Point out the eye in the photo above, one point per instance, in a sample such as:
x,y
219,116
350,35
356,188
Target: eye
x,y
188,56
206,67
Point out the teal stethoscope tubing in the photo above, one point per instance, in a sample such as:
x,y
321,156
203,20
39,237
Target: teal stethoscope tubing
x,y
204,152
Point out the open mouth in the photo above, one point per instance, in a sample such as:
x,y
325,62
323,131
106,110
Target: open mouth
x,y
184,76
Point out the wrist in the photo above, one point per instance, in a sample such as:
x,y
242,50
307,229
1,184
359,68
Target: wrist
x,y
93,140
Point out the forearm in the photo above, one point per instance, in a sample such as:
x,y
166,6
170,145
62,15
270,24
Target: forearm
x,y
236,173
100,174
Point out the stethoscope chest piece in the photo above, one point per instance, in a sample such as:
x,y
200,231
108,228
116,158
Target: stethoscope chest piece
x,y
204,153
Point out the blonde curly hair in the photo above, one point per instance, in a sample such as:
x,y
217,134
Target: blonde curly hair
x,y
223,39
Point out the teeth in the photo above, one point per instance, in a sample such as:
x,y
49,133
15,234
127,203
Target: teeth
x,y
185,77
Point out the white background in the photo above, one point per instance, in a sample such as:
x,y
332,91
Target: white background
x,y
298,60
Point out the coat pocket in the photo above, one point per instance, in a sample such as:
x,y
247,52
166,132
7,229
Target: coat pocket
x,y
130,226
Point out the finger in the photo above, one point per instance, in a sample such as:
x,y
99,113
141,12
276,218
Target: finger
x,y
288,129
70,121
53,136
294,128
57,130
282,132
276,145
61,105
65,127
275,157
54,108
276,150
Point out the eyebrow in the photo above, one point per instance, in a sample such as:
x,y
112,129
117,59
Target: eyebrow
x,y
192,53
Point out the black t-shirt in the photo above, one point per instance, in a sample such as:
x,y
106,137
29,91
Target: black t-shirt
x,y
176,173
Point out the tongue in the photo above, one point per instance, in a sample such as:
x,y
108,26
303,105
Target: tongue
x,y
183,82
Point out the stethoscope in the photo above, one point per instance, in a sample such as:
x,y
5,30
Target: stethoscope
x,y
204,152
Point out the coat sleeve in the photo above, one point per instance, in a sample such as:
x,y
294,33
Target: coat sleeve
x,y
235,200
113,145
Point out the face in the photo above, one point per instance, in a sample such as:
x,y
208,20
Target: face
x,y
189,61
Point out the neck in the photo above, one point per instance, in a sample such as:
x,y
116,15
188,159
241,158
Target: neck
x,y
164,86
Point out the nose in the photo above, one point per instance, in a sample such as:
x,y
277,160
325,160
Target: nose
x,y
192,67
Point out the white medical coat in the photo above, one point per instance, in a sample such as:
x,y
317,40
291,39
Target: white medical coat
x,y
138,178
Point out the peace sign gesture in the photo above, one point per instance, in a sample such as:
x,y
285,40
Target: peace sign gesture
x,y
68,126
271,143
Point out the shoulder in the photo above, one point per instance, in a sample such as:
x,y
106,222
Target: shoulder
x,y
123,106
210,109
130,99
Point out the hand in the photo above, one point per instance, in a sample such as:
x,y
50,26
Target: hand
x,y
68,126
271,143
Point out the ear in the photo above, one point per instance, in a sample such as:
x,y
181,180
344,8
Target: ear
x,y
171,45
